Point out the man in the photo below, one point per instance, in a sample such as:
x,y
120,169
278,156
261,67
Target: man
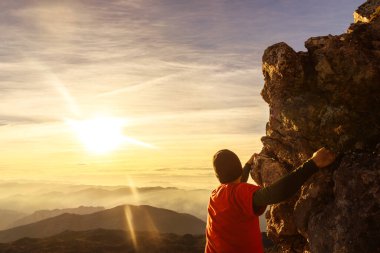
x,y
234,207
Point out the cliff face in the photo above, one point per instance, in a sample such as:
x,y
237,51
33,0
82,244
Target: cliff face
x,y
328,96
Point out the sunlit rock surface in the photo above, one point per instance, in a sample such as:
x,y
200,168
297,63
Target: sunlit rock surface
x,y
366,12
328,96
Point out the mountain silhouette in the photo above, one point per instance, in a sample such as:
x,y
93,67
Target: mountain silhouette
x,y
45,214
131,218
8,217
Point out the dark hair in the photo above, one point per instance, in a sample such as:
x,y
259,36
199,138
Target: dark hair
x,y
227,166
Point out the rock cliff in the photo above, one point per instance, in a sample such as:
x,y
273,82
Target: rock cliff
x,y
328,96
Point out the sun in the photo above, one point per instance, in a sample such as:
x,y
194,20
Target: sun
x,y
100,135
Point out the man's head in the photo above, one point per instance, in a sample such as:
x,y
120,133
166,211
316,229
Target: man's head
x,y
227,166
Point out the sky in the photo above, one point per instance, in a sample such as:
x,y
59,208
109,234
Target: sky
x,y
177,80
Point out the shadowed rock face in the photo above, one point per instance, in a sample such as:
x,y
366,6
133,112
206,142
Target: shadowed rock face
x,y
328,96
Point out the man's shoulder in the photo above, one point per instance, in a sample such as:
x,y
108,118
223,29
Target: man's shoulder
x,y
235,187
248,186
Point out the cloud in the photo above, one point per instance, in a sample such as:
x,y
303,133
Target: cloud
x,y
141,85
18,120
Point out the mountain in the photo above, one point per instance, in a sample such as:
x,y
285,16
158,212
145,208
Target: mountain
x,y
8,217
328,96
127,217
44,214
108,241
31,197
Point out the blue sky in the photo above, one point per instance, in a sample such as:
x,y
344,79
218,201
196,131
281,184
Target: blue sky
x,y
186,75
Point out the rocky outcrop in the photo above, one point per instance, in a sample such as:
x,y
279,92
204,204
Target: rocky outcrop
x,y
328,96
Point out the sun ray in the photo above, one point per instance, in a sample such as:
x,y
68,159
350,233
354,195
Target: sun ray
x,y
53,80
130,225
137,142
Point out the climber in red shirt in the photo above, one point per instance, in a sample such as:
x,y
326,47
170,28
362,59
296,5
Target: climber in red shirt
x,y
234,207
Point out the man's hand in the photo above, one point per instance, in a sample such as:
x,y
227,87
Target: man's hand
x,y
323,157
250,161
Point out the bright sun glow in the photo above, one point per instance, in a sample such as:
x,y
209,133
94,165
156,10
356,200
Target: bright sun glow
x,y
99,135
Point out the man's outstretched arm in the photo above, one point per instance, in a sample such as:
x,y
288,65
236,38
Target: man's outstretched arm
x,y
245,174
288,185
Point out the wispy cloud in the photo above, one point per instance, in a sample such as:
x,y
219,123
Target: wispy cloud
x,y
16,120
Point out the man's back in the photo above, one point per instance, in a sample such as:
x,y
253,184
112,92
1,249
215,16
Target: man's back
x,y
232,225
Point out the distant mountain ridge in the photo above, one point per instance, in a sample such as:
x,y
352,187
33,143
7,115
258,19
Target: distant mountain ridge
x,y
9,216
28,198
44,214
125,217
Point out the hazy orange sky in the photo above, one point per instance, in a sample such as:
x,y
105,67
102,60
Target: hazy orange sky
x,y
183,76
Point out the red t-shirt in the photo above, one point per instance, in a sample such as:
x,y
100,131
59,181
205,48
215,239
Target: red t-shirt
x,y
232,225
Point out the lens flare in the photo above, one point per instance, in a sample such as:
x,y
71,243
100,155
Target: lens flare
x,y
130,225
